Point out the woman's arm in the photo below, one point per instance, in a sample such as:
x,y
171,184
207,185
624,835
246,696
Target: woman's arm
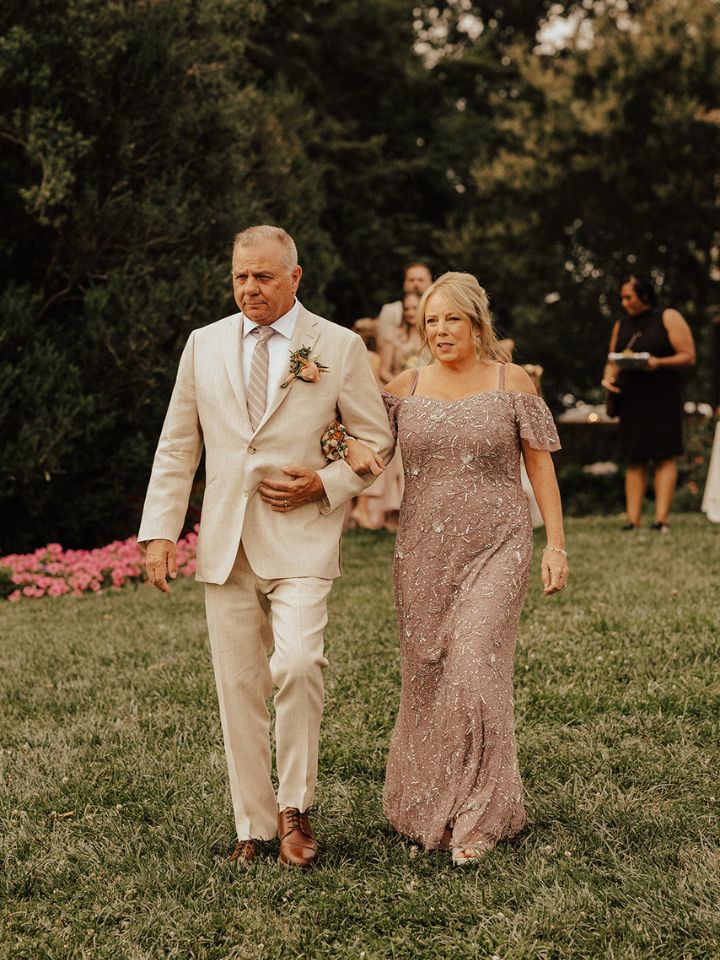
x,y
541,473
361,459
681,339
611,369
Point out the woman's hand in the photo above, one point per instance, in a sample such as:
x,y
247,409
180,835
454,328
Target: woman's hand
x,y
609,377
362,459
651,363
554,572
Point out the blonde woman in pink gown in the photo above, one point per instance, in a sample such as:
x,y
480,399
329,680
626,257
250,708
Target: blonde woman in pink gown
x,y
462,562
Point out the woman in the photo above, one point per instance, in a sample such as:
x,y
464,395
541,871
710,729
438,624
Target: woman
x,y
461,569
650,398
401,351
378,507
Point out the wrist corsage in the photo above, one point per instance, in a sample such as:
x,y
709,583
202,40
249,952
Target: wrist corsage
x,y
334,441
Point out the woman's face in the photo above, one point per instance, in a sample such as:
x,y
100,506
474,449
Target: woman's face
x,y
449,332
631,302
410,305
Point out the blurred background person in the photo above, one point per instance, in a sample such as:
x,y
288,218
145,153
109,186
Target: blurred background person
x,y
369,509
649,398
403,346
402,349
417,277
366,328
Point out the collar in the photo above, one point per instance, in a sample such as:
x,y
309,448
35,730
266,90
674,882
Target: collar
x,y
284,325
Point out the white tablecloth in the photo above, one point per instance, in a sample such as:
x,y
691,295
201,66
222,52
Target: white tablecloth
x,y
711,497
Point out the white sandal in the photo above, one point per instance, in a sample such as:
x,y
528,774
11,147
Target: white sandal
x,y
461,855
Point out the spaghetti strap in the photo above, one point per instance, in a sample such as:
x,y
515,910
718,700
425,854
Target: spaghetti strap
x,y
414,381
501,377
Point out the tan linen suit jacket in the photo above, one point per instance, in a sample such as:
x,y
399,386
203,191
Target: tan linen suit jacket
x,y
208,406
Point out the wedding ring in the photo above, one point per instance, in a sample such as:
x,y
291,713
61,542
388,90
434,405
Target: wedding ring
x,y
285,503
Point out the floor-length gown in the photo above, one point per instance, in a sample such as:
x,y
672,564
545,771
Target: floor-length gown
x,y
462,559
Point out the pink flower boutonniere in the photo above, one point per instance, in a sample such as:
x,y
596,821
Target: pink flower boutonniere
x,y
304,367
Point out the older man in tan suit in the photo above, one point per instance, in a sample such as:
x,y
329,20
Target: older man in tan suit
x,y
268,547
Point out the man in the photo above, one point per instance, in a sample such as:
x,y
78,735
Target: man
x,y
416,279
268,547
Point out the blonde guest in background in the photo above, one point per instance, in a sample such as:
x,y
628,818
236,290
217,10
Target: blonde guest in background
x,y
402,349
462,562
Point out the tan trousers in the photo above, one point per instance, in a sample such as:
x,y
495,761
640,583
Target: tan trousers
x,y
247,616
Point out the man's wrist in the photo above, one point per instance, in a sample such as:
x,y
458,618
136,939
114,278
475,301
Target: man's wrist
x,y
319,491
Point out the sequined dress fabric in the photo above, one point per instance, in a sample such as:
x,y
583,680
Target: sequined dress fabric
x,y
463,551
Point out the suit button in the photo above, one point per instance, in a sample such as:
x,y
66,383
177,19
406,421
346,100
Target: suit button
x,y
244,493
251,450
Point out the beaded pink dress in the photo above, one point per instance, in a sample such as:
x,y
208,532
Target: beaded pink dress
x,y
462,559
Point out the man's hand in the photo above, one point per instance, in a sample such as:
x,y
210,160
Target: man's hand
x,y
282,496
362,459
160,562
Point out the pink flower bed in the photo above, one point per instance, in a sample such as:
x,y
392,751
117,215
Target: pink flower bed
x,y
51,571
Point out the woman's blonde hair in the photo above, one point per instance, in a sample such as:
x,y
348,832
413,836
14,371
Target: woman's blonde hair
x,y
465,295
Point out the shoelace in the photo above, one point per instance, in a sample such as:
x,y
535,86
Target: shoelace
x,y
240,848
294,821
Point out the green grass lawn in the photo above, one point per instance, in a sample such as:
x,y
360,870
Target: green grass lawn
x,y
116,815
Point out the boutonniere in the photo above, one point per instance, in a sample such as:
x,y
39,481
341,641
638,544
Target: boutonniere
x,y
304,367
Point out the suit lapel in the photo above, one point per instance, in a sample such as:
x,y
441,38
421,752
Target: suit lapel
x,y
232,355
307,330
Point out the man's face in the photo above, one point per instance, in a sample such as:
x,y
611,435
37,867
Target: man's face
x,y
263,288
417,280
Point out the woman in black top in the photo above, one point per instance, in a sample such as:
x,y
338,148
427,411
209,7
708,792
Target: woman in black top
x,y
650,398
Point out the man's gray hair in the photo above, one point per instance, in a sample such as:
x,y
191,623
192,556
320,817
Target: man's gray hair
x,y
254,236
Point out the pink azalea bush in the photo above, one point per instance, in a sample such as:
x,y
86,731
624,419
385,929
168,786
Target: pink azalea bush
x,y
51,571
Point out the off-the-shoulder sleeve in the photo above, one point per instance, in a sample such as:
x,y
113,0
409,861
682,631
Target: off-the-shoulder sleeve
x,y
535,422
391,408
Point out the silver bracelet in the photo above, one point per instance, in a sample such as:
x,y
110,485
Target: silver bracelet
x,y
555,550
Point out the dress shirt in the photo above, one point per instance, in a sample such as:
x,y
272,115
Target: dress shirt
x,y
278,349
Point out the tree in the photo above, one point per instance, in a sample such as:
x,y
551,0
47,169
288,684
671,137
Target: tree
x,y
131,137
601,160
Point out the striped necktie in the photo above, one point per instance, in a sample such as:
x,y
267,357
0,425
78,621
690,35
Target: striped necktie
x,y
257,386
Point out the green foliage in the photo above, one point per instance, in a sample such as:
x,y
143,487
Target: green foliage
x,y
6,583
694,463
584,494
593,162
136,138
131,156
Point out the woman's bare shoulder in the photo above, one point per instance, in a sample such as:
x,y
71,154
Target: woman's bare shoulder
x,y
518,380
399,386
673,318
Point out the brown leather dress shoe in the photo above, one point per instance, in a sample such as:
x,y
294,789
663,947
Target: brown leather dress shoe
x,y
243,851
298,846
